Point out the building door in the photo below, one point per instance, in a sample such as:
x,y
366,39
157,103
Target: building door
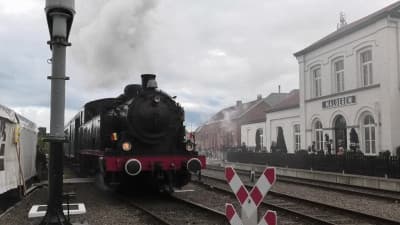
x,y
340,133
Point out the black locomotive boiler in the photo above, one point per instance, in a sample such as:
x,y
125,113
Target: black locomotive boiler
x,y
138,136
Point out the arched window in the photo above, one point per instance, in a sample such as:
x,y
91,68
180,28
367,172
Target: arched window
x,y
340,133
369,134
318,136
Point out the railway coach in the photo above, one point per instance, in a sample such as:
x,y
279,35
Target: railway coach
x,y
18,140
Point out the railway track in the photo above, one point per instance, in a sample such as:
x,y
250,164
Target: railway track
x,y
360,191
318,212
172,210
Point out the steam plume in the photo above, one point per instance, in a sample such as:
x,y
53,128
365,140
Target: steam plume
x,y
110,42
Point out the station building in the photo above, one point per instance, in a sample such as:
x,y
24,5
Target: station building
x,y
350,86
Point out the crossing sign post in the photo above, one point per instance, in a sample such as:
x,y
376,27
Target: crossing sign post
x,y
250,201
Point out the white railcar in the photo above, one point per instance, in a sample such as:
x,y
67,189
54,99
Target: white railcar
x,y
18,140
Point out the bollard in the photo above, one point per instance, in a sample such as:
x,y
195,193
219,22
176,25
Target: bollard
x,y
252,175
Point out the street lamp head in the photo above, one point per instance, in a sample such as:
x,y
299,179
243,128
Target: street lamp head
x,y
59,15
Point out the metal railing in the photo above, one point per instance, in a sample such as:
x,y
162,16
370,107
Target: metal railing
x,y
380,166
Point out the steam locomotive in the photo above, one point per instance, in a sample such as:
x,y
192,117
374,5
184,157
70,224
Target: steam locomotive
x,y
137,137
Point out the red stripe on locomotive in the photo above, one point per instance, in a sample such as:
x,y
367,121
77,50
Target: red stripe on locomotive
x,y
117,163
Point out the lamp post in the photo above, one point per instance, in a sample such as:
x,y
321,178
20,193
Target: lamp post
x,y
247,139
59,14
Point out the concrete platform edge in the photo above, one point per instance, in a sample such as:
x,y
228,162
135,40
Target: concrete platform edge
x,y
379,183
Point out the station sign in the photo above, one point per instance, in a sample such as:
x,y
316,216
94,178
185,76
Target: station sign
x,y
339,102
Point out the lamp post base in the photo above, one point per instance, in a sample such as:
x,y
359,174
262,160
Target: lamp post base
x,y
55,220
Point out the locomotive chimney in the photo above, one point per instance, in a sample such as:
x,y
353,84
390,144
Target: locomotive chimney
x,y
146,78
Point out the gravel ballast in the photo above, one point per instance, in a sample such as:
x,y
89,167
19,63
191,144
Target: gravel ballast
x,y
101,206
366,205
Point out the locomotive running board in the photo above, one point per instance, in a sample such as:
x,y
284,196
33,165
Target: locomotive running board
x,y
74,209
181,191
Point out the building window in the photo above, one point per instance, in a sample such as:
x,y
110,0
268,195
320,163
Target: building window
x,y
338,74
369,134
366,67
316,81
296,129
318,138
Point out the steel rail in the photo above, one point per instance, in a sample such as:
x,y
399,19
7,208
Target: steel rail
x,y
201,206
165,220
345,188
269,205
150,213
350,212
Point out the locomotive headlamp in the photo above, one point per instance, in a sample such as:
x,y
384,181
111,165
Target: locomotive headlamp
x,y
189,146
157,99
114,137
126,146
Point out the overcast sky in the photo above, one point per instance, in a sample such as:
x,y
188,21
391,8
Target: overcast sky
x,y
208,53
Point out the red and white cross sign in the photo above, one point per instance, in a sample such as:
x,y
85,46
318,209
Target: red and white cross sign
x,y
268,219
250,201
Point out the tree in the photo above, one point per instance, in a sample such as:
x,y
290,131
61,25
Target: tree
x,y
354,142
280,141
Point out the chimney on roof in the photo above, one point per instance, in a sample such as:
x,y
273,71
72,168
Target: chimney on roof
x,y
239,103
342,21
259,97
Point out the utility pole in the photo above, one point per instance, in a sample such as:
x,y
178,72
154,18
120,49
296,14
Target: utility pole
x,y
59,14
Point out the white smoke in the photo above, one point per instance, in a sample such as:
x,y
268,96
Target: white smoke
x,y
110,39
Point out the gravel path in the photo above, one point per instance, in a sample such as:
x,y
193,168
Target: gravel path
x,y
102,208
367,205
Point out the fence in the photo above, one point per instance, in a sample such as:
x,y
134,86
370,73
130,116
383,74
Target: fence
x,y
382,166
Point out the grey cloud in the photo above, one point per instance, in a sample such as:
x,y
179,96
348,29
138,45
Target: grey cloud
x,y
208,53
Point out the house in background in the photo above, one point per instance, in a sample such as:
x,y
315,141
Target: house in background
x,y
283,124
224,128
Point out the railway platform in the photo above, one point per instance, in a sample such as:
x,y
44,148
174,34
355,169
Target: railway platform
x,y
379,183
101,205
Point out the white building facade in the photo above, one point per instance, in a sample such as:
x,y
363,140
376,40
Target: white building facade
x,y
252,135
289,121
350,86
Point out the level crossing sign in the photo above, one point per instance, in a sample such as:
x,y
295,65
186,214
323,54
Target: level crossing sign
x,y
250,201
